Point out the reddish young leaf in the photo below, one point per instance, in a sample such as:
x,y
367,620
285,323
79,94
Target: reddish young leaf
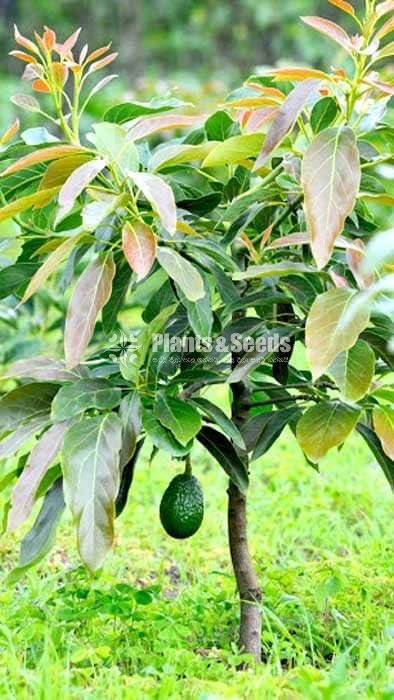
x,y
23,56
66,48
98,52
91,293
382,8
41,458
355,260
22,41
254,120
10,132
330,29
286,117
159,195
43,155
49,39
102,63
331,177
139,247
343,5
41,86
150,125
60,74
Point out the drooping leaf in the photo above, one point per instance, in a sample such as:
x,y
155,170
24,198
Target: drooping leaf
x,y
15,440
91,293
324,426
126,479
331,177
130,416
43,368
77,182
151,125
261,431
178,416
183,272
286,117
234,150
50,265
83,394
383,422
223,421
375,446
41,457
44,155
162,438
37,199
114,304
159,196
222,450
353,370
328,332
139,247
330,29
24,403
39,541
91,483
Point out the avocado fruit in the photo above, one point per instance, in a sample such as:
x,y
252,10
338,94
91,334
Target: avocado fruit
x,y
182,506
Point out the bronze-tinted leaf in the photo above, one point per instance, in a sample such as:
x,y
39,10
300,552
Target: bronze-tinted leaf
x,y
58,171
150,125
343,5
331,176
43,155
91,292
91,483
383,422
159,195
50,265
330,29
139,247
286,117
77,181
37,199
43,368
41,458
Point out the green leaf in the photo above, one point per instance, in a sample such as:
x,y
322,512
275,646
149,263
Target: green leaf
x,y
113,143
200,315
37,199
15,276
353,370
39,541
41,457
323,114
234,150
286,117
24,403
280,269
126,479
324,426
222,450
328,331
114,304
331,177
162,438
276,339
167,156
383,422
261,431
94,213
131,110
375,446
91,293
178,416
218,126
182,272
144,341
221,419
91,483
75,398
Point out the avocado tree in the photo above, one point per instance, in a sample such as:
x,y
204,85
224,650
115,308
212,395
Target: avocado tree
x,y
242,233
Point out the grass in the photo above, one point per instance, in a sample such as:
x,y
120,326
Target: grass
x,y
161,621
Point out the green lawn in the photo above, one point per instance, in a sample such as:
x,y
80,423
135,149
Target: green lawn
x,y
161,622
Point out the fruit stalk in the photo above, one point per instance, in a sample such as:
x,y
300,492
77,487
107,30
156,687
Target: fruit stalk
x,y
249,591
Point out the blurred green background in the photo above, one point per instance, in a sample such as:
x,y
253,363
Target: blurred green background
x,y
164,39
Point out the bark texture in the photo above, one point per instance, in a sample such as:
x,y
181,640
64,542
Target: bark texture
x,y
250,594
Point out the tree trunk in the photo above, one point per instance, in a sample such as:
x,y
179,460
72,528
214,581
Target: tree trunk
x,y
248,587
